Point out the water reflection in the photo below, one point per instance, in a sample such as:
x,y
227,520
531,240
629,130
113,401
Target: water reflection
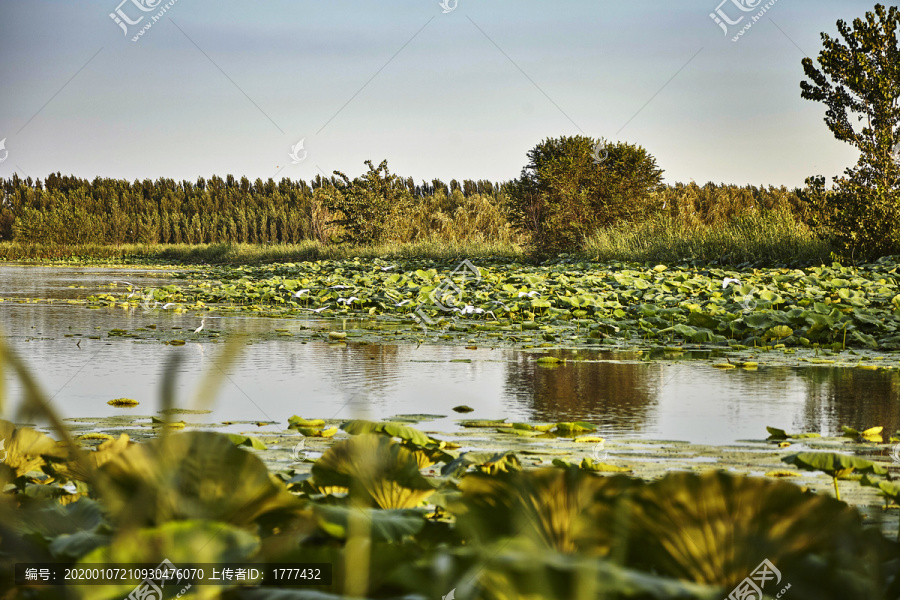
x,y
857,398
608,393
276,378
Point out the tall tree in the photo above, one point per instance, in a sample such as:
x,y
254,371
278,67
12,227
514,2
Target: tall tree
x,y
858,80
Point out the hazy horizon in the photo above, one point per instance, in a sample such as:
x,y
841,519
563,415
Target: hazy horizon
x,y
228,88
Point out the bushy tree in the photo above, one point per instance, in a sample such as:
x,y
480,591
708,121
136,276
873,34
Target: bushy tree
x,y
366,205
859,82
573,185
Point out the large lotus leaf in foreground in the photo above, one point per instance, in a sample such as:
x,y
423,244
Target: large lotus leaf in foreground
x,y
192,475
553,508
182,543
715,528
383,472
508,570
23,449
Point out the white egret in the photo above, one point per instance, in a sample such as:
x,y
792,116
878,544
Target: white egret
x,y
728,280
316,310
299,293
404,303
531,294
347,301
202,323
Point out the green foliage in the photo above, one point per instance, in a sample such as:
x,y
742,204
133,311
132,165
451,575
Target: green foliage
x,y
367,205
859,83
564,195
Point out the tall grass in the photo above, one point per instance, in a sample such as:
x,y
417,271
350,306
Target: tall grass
x,y
238,254
763,237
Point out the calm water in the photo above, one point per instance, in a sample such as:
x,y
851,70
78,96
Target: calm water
x,y
278,378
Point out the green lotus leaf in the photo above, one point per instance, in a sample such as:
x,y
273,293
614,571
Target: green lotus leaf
x,y
246,440
778,332
588,464
200,475
716,528
562,509
835,465
384,473
486,462
574,428
392,525
397,430
295,422
179,542
25,449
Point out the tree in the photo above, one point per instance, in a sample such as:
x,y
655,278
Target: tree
x,y
573,185
859,83
367,204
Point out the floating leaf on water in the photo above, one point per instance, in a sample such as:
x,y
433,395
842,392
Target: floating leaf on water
x,y
184,411
176,342
873,434
724,365
123,402
551,360
246,440
462,408
590,439
337,335
782,473
95,436
295,422
588,464
572,428
485,423
404,432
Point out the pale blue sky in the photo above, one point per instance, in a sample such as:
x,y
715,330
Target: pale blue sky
x,y
219,87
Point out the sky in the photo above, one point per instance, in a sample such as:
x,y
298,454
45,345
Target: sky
x,y
457,90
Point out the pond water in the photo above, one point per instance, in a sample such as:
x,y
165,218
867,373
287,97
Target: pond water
x,y
275,378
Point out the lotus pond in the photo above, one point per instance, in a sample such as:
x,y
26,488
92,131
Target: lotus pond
x,y
501,430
